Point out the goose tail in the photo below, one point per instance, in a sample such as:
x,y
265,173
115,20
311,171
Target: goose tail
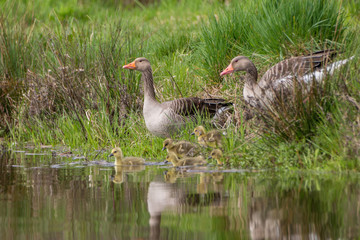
x,y
319,74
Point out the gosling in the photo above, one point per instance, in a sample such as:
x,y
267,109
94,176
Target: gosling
x,y
120,160
187,161
217,155
211,139
180,149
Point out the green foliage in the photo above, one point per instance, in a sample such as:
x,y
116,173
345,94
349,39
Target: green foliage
x,y
274,29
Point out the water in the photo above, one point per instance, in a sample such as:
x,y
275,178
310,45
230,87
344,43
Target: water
x,y
41,197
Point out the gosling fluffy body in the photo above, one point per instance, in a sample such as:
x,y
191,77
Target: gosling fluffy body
x,y
187,161
211,139
180,149
121,160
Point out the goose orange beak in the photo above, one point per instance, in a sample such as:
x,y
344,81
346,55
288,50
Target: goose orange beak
x,y
130,65
227,70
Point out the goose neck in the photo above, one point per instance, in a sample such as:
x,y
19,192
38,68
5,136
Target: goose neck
x,y
149,91
251,75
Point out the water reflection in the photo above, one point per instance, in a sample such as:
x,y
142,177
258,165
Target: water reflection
x,y
175,197
78,200
121,171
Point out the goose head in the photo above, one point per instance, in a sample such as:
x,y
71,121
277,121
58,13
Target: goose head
x,y
140,64
117,153
198,131
217,155
167,143
239,63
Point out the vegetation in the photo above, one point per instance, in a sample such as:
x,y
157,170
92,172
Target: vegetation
x,y
62,81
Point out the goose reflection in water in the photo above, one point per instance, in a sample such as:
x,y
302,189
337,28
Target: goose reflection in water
x,y
177,196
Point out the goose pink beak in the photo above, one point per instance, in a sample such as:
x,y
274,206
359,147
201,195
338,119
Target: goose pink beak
x,y
227,70
130,65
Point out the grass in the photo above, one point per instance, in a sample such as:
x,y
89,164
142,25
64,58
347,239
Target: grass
x,y
62,80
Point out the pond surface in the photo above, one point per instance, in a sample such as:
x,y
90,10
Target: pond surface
x,y
43,198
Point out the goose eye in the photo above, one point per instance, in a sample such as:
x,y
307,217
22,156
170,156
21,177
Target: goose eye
x,y
166,144
115,151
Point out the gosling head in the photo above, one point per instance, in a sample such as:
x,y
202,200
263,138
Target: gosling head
x,y
171,157
167,143
199,131
117,153
239,63
216,154
140,64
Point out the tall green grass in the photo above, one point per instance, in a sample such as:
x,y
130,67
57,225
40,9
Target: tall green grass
x,y
268,30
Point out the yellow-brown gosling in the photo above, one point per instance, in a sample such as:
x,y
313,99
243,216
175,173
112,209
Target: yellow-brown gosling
x,y
181,148
121,160
211,139
187,161
217,155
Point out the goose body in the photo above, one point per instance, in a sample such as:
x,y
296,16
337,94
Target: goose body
x,y
187,161
211,139
278,81
121,160
165,119
181,148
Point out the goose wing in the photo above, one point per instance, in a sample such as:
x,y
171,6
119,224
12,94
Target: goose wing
x,y
297,67
193,105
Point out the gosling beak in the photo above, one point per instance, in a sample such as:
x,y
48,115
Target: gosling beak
x,y
166,161
130,65
210,157
227,70
111,155
163,148
192,133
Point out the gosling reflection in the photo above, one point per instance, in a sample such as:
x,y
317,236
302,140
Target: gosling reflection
x,y
121,171
177,196
173,174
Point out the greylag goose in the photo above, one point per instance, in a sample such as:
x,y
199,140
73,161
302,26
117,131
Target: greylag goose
x,y
120,160
181,148
187,161
278,80
217,155
211,139
165,119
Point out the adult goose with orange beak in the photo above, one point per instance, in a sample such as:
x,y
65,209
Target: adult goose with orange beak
x,y
278,82
167,118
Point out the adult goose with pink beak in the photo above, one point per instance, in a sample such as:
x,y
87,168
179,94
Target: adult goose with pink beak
x,y
167,118
278,81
